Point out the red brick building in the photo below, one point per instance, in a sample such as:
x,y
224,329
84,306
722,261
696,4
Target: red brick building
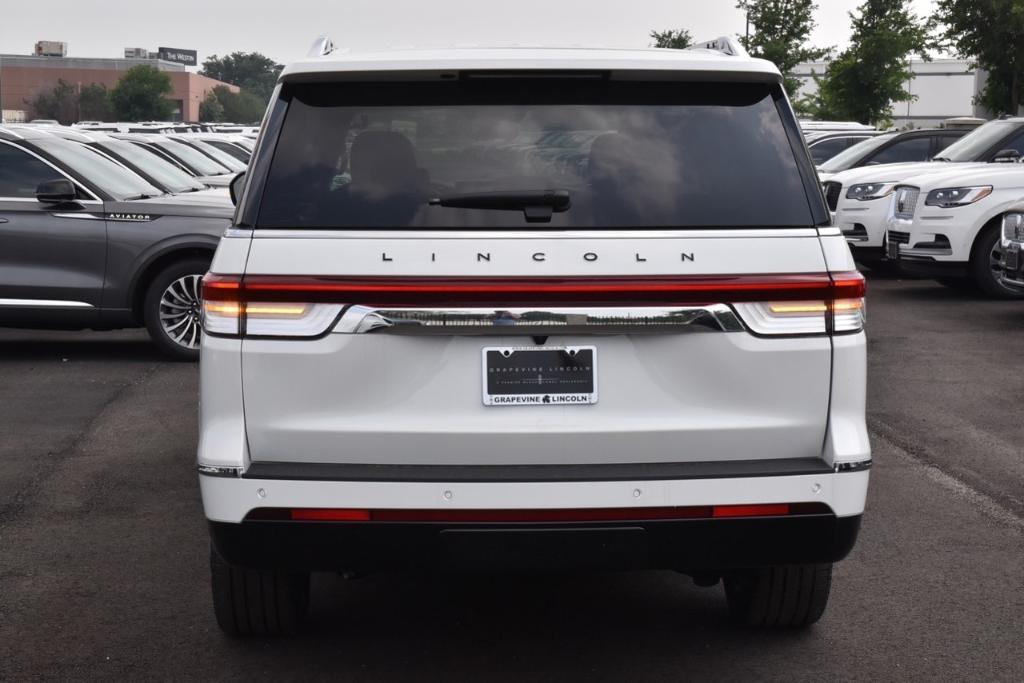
x,y
22,78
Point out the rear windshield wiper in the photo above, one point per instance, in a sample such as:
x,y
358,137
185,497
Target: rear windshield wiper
x,y
537,205
941,159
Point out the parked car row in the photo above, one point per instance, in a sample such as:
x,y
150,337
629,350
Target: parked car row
x,y
841,146
940,218
106,231
161,127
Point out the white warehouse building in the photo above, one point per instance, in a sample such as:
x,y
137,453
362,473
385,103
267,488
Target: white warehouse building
x,y
944,88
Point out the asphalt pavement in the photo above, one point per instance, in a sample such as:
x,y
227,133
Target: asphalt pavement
x,y
103,549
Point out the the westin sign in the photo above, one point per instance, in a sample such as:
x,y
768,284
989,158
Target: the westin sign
x,y
173,54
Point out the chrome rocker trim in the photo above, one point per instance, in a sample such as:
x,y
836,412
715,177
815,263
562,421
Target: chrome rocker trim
x,y
43,303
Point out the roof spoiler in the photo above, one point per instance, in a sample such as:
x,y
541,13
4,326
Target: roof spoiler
x,y
321,47
727,45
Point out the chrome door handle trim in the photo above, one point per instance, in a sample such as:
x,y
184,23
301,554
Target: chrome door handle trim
x,y
537,321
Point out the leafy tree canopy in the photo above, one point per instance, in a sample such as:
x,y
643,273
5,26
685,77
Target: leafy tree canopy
x,y
675,38
781,29
250,71
992,33
864,81
240,107
60,104
140,95
94,103
210,109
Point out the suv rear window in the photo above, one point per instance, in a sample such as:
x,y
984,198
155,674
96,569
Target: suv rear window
x,y
629,155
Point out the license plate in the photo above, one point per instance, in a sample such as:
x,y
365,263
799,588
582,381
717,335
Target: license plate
x,y
545,375
1011,259
893,250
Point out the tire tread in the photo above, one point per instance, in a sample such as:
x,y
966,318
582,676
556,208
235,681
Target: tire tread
x,y
792,596
251,602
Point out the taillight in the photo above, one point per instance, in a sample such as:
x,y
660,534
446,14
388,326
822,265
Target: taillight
x,y
304,307
222,304
841,311
226,311
847,302
282,319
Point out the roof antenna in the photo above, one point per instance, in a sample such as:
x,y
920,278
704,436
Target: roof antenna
x,y
321,47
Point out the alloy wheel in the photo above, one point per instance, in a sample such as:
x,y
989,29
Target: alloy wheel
x,y
181,310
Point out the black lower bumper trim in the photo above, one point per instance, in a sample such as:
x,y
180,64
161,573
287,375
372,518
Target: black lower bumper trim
x,y
928,267
699,545
533,473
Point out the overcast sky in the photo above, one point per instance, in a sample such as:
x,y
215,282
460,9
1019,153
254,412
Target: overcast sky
x,y
103,29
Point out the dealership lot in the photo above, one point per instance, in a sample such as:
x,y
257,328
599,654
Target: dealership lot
x,y
103,548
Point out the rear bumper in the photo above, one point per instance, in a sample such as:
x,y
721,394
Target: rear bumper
x,y
231,499
691,545
686,544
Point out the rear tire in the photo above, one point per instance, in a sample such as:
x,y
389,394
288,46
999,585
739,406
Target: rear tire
x,y
985,266
250,602
171,308
791,596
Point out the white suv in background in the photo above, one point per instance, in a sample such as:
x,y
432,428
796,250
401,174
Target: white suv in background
x,y
861,197
519,308
948,225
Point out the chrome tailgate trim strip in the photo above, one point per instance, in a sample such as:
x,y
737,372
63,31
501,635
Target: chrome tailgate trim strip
x,y
540,321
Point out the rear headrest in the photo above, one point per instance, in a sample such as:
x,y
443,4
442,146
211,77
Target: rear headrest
x,y
382,164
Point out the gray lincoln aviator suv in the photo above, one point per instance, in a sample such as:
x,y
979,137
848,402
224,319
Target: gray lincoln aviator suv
x,y
87,243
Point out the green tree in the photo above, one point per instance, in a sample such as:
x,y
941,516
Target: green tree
x,y
781,29
240,107
675,38
140,95
869,76
210,109
250,71
992,33
94,103
60,103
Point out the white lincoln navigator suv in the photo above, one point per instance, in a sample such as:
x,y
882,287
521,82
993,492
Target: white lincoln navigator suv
x,y
532,308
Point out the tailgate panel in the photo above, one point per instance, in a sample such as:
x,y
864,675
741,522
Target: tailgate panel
x,y
680,396
417,400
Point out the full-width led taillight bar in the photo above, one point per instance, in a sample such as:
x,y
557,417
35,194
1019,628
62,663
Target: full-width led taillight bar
x,y
807,303
536,516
